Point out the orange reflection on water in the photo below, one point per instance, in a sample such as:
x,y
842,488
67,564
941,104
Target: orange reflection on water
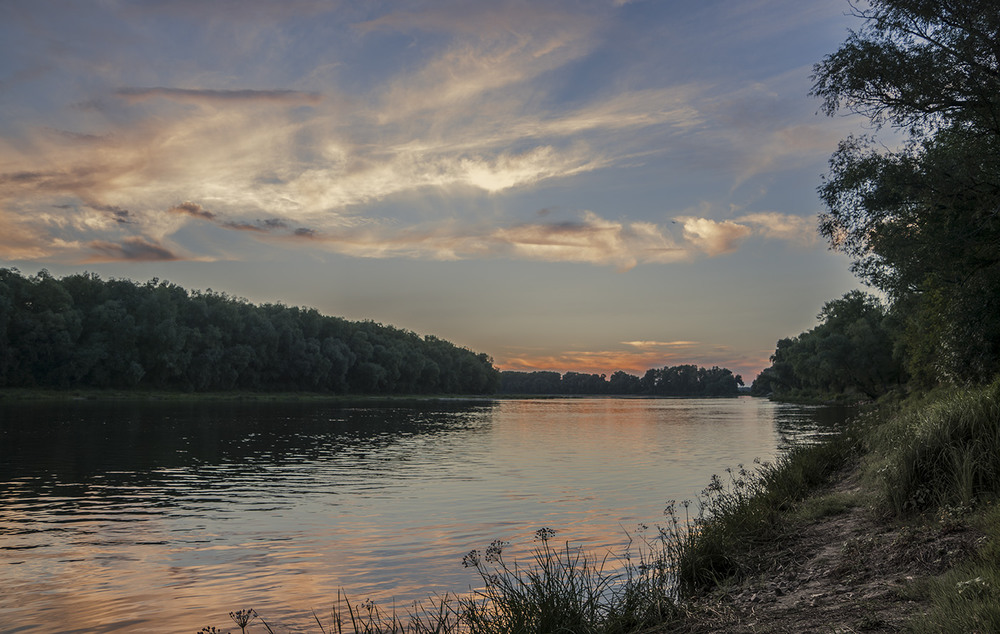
x,y
383,515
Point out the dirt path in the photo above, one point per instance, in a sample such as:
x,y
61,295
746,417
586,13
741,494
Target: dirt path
x,y
847,572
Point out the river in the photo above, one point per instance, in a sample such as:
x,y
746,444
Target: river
x,y
164,517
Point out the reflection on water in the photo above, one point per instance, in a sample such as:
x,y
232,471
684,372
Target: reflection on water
x,y
163,518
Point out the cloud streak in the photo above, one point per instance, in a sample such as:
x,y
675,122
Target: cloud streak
x,y
130,249
591,239
214,96
476,113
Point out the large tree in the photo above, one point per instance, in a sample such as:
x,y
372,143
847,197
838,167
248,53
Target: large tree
x,y
919,213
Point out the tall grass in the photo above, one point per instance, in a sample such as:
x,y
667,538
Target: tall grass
x,y
439,617
735,518
942,453
567,590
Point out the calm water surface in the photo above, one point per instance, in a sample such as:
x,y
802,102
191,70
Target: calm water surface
x,y
163,518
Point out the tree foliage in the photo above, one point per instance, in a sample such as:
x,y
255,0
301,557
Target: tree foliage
x,y
82,331
681,380
851,351
920,218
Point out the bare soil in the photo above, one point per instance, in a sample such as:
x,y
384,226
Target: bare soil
x,y
850,572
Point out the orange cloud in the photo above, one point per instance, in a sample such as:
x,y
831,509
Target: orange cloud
x,y
658,355
596,361
660,344
19,241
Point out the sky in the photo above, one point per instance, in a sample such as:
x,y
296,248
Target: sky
x,y
570,186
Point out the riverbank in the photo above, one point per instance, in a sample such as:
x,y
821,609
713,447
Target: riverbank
x,y
904,536
839,568
94,394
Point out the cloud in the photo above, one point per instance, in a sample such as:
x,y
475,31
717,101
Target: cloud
x,y
608,361
197,211
475,19
591,239
713,237
273,223
20,241
778,226
120,214
133,249
210,96
659,344
192,209
81,137
74,178
260,226
594,240
716,238
484,104
361,179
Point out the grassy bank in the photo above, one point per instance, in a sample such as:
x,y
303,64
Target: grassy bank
x,y
922,471
924,475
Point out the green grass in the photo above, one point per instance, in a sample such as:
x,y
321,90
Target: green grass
x,y
967,597
945,452
931,457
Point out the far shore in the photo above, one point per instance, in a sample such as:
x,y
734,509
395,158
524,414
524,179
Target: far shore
x,y
88,394
94,394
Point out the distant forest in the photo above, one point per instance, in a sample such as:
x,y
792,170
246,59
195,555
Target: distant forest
x,y
82,331
681,380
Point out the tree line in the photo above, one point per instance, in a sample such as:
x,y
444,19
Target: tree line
x,y
920,219
681,380
82,331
